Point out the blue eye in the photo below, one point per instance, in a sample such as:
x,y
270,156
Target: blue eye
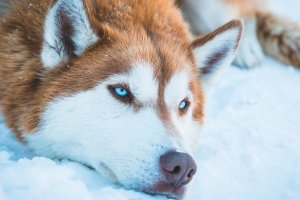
x,y
183,105
121,92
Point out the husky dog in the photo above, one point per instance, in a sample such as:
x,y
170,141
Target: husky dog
x,y
116,85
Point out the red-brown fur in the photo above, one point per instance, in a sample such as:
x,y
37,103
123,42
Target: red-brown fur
x,y
279,38
154,30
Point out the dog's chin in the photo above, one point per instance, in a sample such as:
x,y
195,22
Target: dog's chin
x,y
162,189
167,190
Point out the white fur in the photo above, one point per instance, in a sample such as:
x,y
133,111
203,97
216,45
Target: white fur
x,y
142,82
53,53
176,90
225,40
93,127
250,54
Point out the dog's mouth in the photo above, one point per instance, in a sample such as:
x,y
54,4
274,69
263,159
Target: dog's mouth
x,y
167,190
162,189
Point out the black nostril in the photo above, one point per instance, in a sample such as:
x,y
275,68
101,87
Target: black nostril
x,y
178,168
191,173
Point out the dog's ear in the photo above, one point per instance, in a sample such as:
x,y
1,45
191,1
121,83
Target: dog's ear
x,y
67,32
216,50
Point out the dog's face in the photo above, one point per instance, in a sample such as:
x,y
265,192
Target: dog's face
x,y
129,107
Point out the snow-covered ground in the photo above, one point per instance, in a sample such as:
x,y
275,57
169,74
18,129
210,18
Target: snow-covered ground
x,y
250,148
251,145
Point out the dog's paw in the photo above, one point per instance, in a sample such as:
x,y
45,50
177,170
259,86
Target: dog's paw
x,y
250,53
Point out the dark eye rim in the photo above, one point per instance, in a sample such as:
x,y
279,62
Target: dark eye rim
x,y
125,99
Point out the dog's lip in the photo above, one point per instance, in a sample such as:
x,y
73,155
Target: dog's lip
x,y
165,189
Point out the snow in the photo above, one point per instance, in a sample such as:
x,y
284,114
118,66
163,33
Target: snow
x,y
250,147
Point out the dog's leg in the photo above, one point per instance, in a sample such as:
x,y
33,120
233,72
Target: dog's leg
x,y
206,15
250,53
279,38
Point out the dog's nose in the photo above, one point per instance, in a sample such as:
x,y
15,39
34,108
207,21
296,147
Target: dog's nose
x,y
179,168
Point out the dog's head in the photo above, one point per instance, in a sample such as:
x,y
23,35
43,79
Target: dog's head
x,y
123,90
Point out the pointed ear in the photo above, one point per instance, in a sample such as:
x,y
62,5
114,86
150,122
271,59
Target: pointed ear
x,y
216,50
67,32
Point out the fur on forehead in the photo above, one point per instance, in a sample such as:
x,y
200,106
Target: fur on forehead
x,y
164,44
158,17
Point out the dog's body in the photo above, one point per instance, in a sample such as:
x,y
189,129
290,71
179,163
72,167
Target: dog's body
x,y
115,85
265,33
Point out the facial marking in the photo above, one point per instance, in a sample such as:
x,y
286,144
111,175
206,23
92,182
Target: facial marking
x,y
177,89
177,95
140,82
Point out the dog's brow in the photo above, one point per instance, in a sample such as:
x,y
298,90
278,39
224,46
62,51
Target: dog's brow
x,y
142,82
177,88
